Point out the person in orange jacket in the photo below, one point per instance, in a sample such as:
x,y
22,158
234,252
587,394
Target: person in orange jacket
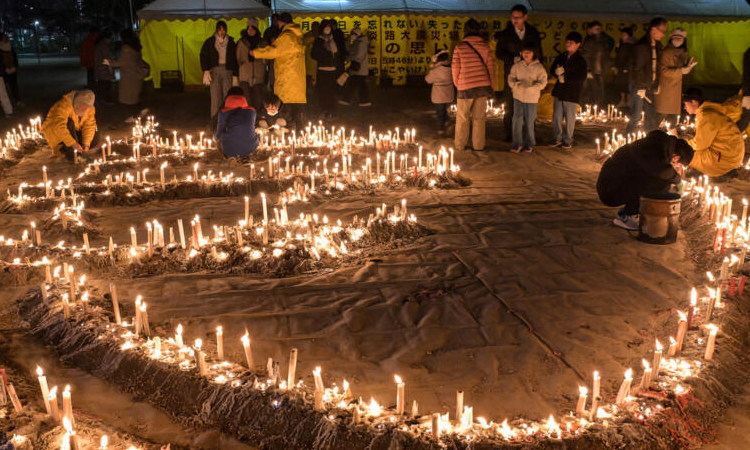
x,y
70,125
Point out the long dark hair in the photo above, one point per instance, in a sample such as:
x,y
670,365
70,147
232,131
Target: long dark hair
x,y
129,38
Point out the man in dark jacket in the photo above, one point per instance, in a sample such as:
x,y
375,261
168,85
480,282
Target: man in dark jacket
x,y
623,64
510,41
219,65
745,117
570,70
596,50
235,131
645,76
647,166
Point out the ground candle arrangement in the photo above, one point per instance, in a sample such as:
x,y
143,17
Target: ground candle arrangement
x,y
493,111
641,396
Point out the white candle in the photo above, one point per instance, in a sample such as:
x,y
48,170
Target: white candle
x,y
200,357
319,386
220,342
711,344
581,406
400,399
247,208
624,391
292,369
646,380
182,233
248,351
743,222
53,407
681,330
133,240
657,357
67,405
178,336
672,347
265,208
45,389
459,405
161,174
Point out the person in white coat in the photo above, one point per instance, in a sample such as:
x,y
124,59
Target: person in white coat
x,y
527,79
442,94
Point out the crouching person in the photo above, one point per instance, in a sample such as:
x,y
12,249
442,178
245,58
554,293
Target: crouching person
x,y
275,116
718,144
70,126
235,131
647,166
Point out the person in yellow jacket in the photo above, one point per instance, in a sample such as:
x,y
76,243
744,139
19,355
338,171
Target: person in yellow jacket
x,y
70,125
289,53
311,66
718,144
733,108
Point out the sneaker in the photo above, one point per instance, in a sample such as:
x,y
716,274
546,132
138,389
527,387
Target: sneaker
x,y
556,144
516,149
365,104
629,223
343,102
527,149
567,146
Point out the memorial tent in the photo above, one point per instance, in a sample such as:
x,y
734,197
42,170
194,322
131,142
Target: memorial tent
x,y
405,33
173,31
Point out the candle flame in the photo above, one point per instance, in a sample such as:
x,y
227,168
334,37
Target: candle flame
x,y
645,364
198,344
39,371
67,425
583,390
398,379
672,341
629,374
596,375
179,329
683,316
67,389
710,276
658,346
104,442
712,328
219,330
52,393
693,297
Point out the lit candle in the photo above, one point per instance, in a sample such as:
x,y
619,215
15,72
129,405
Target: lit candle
x,y
144,320
67,405
103,443
581,406
646,380
45,389
691,308
292,369
133,240
319,386
247,209
681,330
161,174
657,357
220,342
182,233
672,347
248,351
711,344
743,221
70,435
265,208
53,407
178,336
459,405
436,426
400,399
624,391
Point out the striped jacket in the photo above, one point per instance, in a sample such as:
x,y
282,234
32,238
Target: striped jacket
x,y
469,71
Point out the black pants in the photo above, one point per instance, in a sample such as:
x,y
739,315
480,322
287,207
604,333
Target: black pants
x,y
593,91
325,90
508,117
744,120
90,78
628,191
68,152
441,109
297,115
104,91
11,79
254,94
357,85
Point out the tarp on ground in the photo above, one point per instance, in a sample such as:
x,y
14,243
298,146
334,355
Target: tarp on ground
x,y
173,31
702,8
202,9
401,44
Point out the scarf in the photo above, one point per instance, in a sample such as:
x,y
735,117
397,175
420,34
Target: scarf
x,y
330,44
221,48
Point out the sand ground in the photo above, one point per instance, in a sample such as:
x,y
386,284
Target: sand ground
x,y
524,289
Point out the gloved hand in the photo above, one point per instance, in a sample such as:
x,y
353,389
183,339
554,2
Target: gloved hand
x,y
614,70
746,102
559,70
641,93
281,122
235,81
590,76
206,77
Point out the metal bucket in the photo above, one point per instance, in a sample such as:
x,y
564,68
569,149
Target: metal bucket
x,y
659,219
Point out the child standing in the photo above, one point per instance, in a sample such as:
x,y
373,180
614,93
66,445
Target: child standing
x,y
527,79
441,79
570,70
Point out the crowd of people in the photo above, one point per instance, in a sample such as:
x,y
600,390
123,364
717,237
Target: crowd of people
x,y
259,85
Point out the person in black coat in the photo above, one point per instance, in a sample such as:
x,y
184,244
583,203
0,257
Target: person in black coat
x,y
644,76
218,59
645,167
510,42
328,54
570,69
745,117
9,61
623,64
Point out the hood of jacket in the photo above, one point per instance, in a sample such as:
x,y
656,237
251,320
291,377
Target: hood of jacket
x,y
292,28
234,102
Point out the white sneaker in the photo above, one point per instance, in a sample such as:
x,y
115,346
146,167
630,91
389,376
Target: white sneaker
x,y
629,223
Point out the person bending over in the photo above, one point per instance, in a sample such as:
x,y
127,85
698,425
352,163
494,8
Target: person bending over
x,y
235,131
70,125
718,144
647,166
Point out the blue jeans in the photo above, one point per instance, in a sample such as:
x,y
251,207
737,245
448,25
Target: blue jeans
x,y
566,110
441,109
640,106
524,115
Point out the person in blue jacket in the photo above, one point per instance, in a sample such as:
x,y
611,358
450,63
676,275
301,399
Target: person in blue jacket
x,y
235,131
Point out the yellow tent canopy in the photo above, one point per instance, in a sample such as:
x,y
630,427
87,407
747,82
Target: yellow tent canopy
x,y
173,31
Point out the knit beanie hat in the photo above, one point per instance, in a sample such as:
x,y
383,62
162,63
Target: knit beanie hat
x,y
84,97
252,22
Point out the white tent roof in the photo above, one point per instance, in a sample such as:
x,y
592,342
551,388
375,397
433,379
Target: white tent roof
x,y
737,8
202,9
